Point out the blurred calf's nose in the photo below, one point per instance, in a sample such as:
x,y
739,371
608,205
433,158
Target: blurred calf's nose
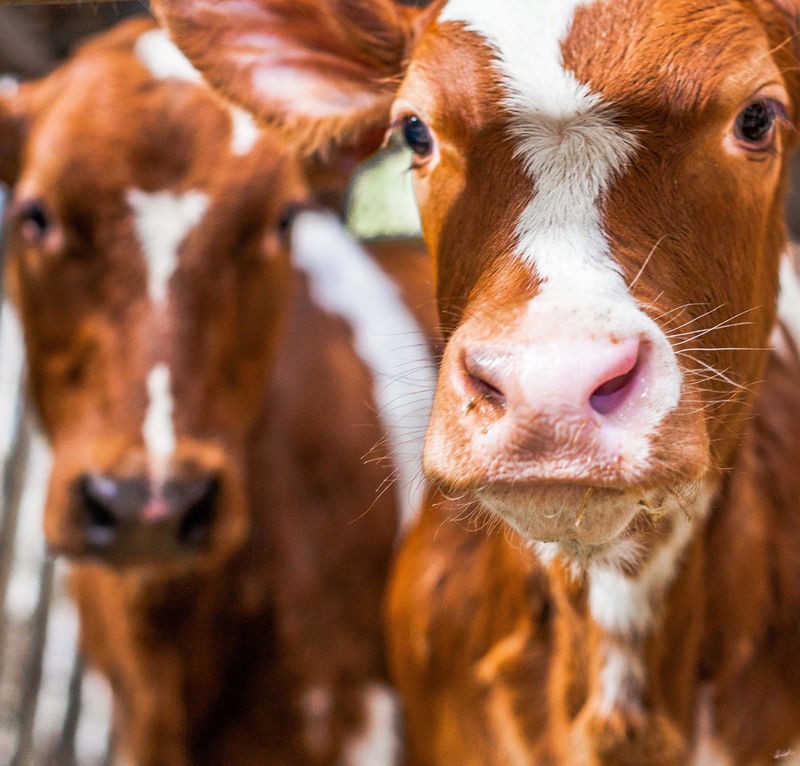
x,y
130,519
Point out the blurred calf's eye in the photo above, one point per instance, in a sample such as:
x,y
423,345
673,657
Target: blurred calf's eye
x,y
33,221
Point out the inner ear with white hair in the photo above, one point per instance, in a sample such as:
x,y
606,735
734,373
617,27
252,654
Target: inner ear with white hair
x,y
324,70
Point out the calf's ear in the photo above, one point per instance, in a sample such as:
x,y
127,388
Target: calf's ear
x,y
782,24
322,70
12,131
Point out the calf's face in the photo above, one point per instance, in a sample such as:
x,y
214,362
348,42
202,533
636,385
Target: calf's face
x,y
146,258
606,215
600,184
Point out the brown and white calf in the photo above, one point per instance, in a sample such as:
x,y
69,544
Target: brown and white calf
x,y
601,187
212,363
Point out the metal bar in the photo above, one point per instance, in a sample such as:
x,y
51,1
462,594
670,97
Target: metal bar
x,y
13,485
64,753
4,195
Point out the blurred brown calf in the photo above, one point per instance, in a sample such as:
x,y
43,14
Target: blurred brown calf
x,y
211,358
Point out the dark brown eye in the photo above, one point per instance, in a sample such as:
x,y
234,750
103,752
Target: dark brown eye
x,y
755,125
417,137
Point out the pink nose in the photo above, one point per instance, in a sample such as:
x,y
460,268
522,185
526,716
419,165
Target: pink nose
x,y
587,378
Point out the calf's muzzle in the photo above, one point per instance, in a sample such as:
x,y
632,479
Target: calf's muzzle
x,y
132,520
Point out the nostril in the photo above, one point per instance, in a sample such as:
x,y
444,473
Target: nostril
x,y
196,523
483,371
100,521
611,394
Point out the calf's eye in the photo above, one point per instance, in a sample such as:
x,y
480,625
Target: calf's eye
x,y
417,137
755,124
33,221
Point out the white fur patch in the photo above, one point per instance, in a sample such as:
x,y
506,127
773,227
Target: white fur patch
x,y
625,605
280,78
346,282
163,220
622,679
379,742
163,59
158,429
244,131
565,136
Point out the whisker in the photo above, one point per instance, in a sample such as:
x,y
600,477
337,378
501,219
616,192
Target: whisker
x,y
646,261
697,318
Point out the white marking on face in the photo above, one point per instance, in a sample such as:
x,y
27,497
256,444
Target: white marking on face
x,y
379,742
565,136
163,59
158,429
346,282
244,131
571,148
162,221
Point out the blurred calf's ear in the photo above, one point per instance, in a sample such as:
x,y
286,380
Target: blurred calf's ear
x,y
12,131
322,70
782,23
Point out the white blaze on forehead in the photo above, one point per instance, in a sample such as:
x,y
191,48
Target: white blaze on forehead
x,y
378,744
163,219
158,429
565,136
163,59
244,131
345,281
